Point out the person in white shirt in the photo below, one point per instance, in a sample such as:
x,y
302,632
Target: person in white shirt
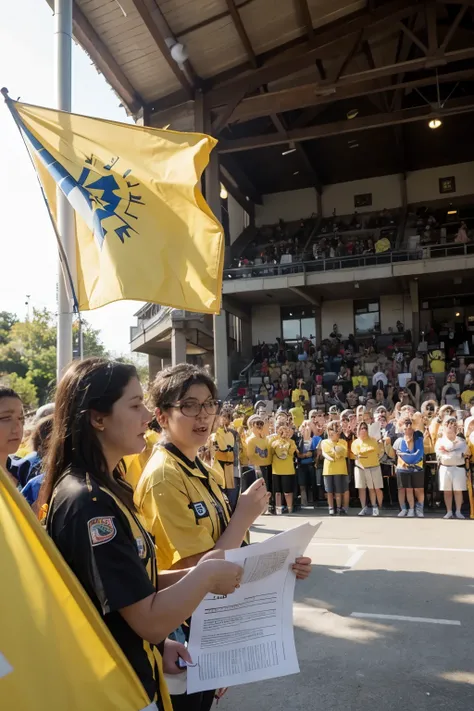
x,y
378,377
452,452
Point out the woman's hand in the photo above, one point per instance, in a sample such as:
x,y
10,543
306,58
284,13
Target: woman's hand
x,y
222,575
253,502
302,567
172,652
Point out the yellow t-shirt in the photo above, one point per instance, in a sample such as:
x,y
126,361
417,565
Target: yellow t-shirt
x,y
298,415
338,451
359,381
366,452
297,393
467,396
237,423
283,461
136,463
258,451
437,366
185,516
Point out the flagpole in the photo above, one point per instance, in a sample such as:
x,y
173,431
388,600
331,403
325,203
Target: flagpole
x,y
65,213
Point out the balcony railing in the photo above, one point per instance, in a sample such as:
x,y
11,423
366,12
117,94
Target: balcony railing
x,y
350,262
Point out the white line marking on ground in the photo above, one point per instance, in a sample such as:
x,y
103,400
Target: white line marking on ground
x,y
399,548
403,618
354,559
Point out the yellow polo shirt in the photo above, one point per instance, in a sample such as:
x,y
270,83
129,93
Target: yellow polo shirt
x,y
467,396
297,393
366,452
258,451
283,458
360,381
337,450
136,463
182,504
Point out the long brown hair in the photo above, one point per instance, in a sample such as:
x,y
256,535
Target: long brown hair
x,y
91,384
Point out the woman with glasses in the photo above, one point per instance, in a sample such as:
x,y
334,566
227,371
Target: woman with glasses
x,y
409,451
336,479
180,497
100,417
368,474
453,455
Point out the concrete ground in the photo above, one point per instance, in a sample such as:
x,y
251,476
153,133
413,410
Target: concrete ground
x,y
385,566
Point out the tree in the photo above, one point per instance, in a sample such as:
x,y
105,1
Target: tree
x,y
7,321
91,342
29,350
141,364
24,387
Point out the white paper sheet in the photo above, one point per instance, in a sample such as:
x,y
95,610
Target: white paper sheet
x,y
248,636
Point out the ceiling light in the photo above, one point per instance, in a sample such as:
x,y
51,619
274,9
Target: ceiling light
x,y
352,114
452,212
290,150
297,172
179,53
223,193
457,313
435,123
356,285
353,145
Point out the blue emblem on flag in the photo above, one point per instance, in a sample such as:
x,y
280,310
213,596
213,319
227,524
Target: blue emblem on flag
x,y
101,197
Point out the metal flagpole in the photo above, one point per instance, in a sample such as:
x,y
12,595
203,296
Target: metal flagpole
x,y
65,213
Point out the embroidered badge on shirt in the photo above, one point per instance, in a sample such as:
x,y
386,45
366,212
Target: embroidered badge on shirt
x,y
141,547
200,509
101,530
261,452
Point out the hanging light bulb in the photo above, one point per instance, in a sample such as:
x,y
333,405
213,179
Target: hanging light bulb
x,y
435,123
223,193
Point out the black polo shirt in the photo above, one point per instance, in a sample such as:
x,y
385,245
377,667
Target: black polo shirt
x,y
114,559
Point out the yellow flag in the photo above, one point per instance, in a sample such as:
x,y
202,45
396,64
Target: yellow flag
x,y
143,228
55,651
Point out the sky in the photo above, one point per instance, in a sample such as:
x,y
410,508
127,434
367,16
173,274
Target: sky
x,y
28,254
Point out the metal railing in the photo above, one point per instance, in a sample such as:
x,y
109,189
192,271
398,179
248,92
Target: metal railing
x,y
350,262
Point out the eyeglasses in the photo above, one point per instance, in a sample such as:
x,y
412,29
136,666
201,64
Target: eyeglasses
x,y
193,408
260,423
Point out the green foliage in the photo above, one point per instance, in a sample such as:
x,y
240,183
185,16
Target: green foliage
x,y
24,387
141,364
28,351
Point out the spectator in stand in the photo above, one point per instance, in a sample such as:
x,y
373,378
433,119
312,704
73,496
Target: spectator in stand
x,y
368,474
379,379
336,480
409,451
452,452
462,236
450,391
300,392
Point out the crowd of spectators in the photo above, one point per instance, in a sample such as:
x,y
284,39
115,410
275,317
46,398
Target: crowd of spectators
x,y
437,227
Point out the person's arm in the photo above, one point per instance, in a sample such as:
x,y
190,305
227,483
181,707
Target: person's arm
x,y
415,456
324,451
98,544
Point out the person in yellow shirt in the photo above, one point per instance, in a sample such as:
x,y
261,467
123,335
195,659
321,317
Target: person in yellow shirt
x,y
283,467
297,414
224,446
359,380
368,474
299,392
336,479
135,464
258,449
467,396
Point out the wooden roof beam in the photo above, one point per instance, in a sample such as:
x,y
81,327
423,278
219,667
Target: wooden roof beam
x,y
305,18
239,176
411,35
160,41
455,106
90,41
326,40
241,31
306,96
452,30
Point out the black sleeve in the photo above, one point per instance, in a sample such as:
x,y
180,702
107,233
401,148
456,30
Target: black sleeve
x,y
98,544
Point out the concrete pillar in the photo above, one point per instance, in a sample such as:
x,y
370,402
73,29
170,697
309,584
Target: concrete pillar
x,y
178,346
403,190
318,324
154,365
415,308
221,361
